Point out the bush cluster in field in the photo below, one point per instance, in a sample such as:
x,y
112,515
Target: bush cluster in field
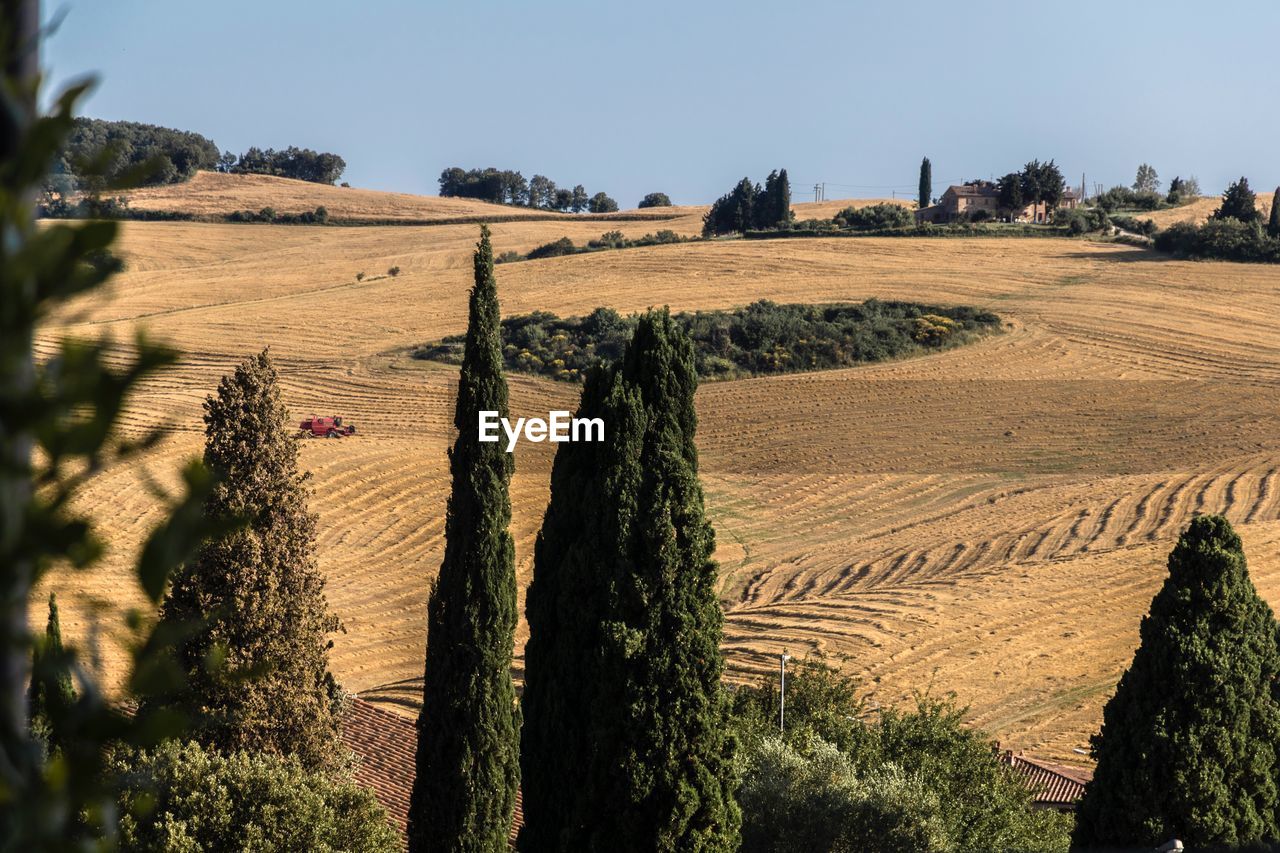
x,y
608,240
762,338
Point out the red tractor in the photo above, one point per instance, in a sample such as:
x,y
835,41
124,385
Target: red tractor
x,y
317,427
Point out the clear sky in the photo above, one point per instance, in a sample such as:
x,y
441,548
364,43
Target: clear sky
x,y
687,97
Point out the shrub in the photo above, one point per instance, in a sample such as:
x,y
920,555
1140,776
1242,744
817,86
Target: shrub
x,y
1222,239
910,780
655,200
1082,220
762,338
874,217
554,249
183,797
359,276
508,256
814,799
1145,227
608,240
393,271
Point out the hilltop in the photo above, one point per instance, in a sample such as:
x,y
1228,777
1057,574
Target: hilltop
x,y
217,194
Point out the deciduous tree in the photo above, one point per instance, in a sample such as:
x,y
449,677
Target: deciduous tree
x,y
1146,180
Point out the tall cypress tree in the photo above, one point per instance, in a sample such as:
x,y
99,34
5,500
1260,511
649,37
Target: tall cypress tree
x,y
623,664
1188,743
256,598
1273,222
468,732
782,199
51,687
580,536
926,182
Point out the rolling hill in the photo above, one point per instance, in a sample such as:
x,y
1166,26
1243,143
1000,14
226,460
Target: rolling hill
x,y
990,521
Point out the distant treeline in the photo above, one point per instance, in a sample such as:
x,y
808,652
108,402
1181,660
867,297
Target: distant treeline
x,y
110,151
503,186
608,240
762,338
99,155
749,207
302,164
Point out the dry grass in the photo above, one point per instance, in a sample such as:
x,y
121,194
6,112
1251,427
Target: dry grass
x,y
990,521
1198,211
216,194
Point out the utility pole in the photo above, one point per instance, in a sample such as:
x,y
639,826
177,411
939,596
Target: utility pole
x,y
824,190
782,692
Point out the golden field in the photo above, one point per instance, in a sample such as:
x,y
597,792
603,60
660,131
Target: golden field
x,y
990,521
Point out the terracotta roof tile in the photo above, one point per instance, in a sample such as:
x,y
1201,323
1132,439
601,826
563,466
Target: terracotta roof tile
x,y
386,743
1053,785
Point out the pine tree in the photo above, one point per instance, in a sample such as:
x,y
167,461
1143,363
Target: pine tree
x,y
623,663
1273,223
51,688
256,597
468,732
1188,743
1238,202
926,182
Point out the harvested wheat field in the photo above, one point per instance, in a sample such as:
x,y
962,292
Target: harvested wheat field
x,y
990,521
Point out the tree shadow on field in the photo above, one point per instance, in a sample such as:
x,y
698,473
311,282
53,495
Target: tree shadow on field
x,y
407,692
1125,256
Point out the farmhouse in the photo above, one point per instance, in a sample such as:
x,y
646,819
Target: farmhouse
x,y
981,199
385,742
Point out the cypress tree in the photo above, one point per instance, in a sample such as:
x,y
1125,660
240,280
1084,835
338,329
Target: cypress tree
x,y
468,732
1188,743
564,606
51,687
926,182
623,664
256,597
1273,223
782,199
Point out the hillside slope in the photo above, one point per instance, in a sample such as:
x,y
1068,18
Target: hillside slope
x,y
989,521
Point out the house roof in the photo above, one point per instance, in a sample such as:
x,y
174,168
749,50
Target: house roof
x,y
386,744
1052,785
982,188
